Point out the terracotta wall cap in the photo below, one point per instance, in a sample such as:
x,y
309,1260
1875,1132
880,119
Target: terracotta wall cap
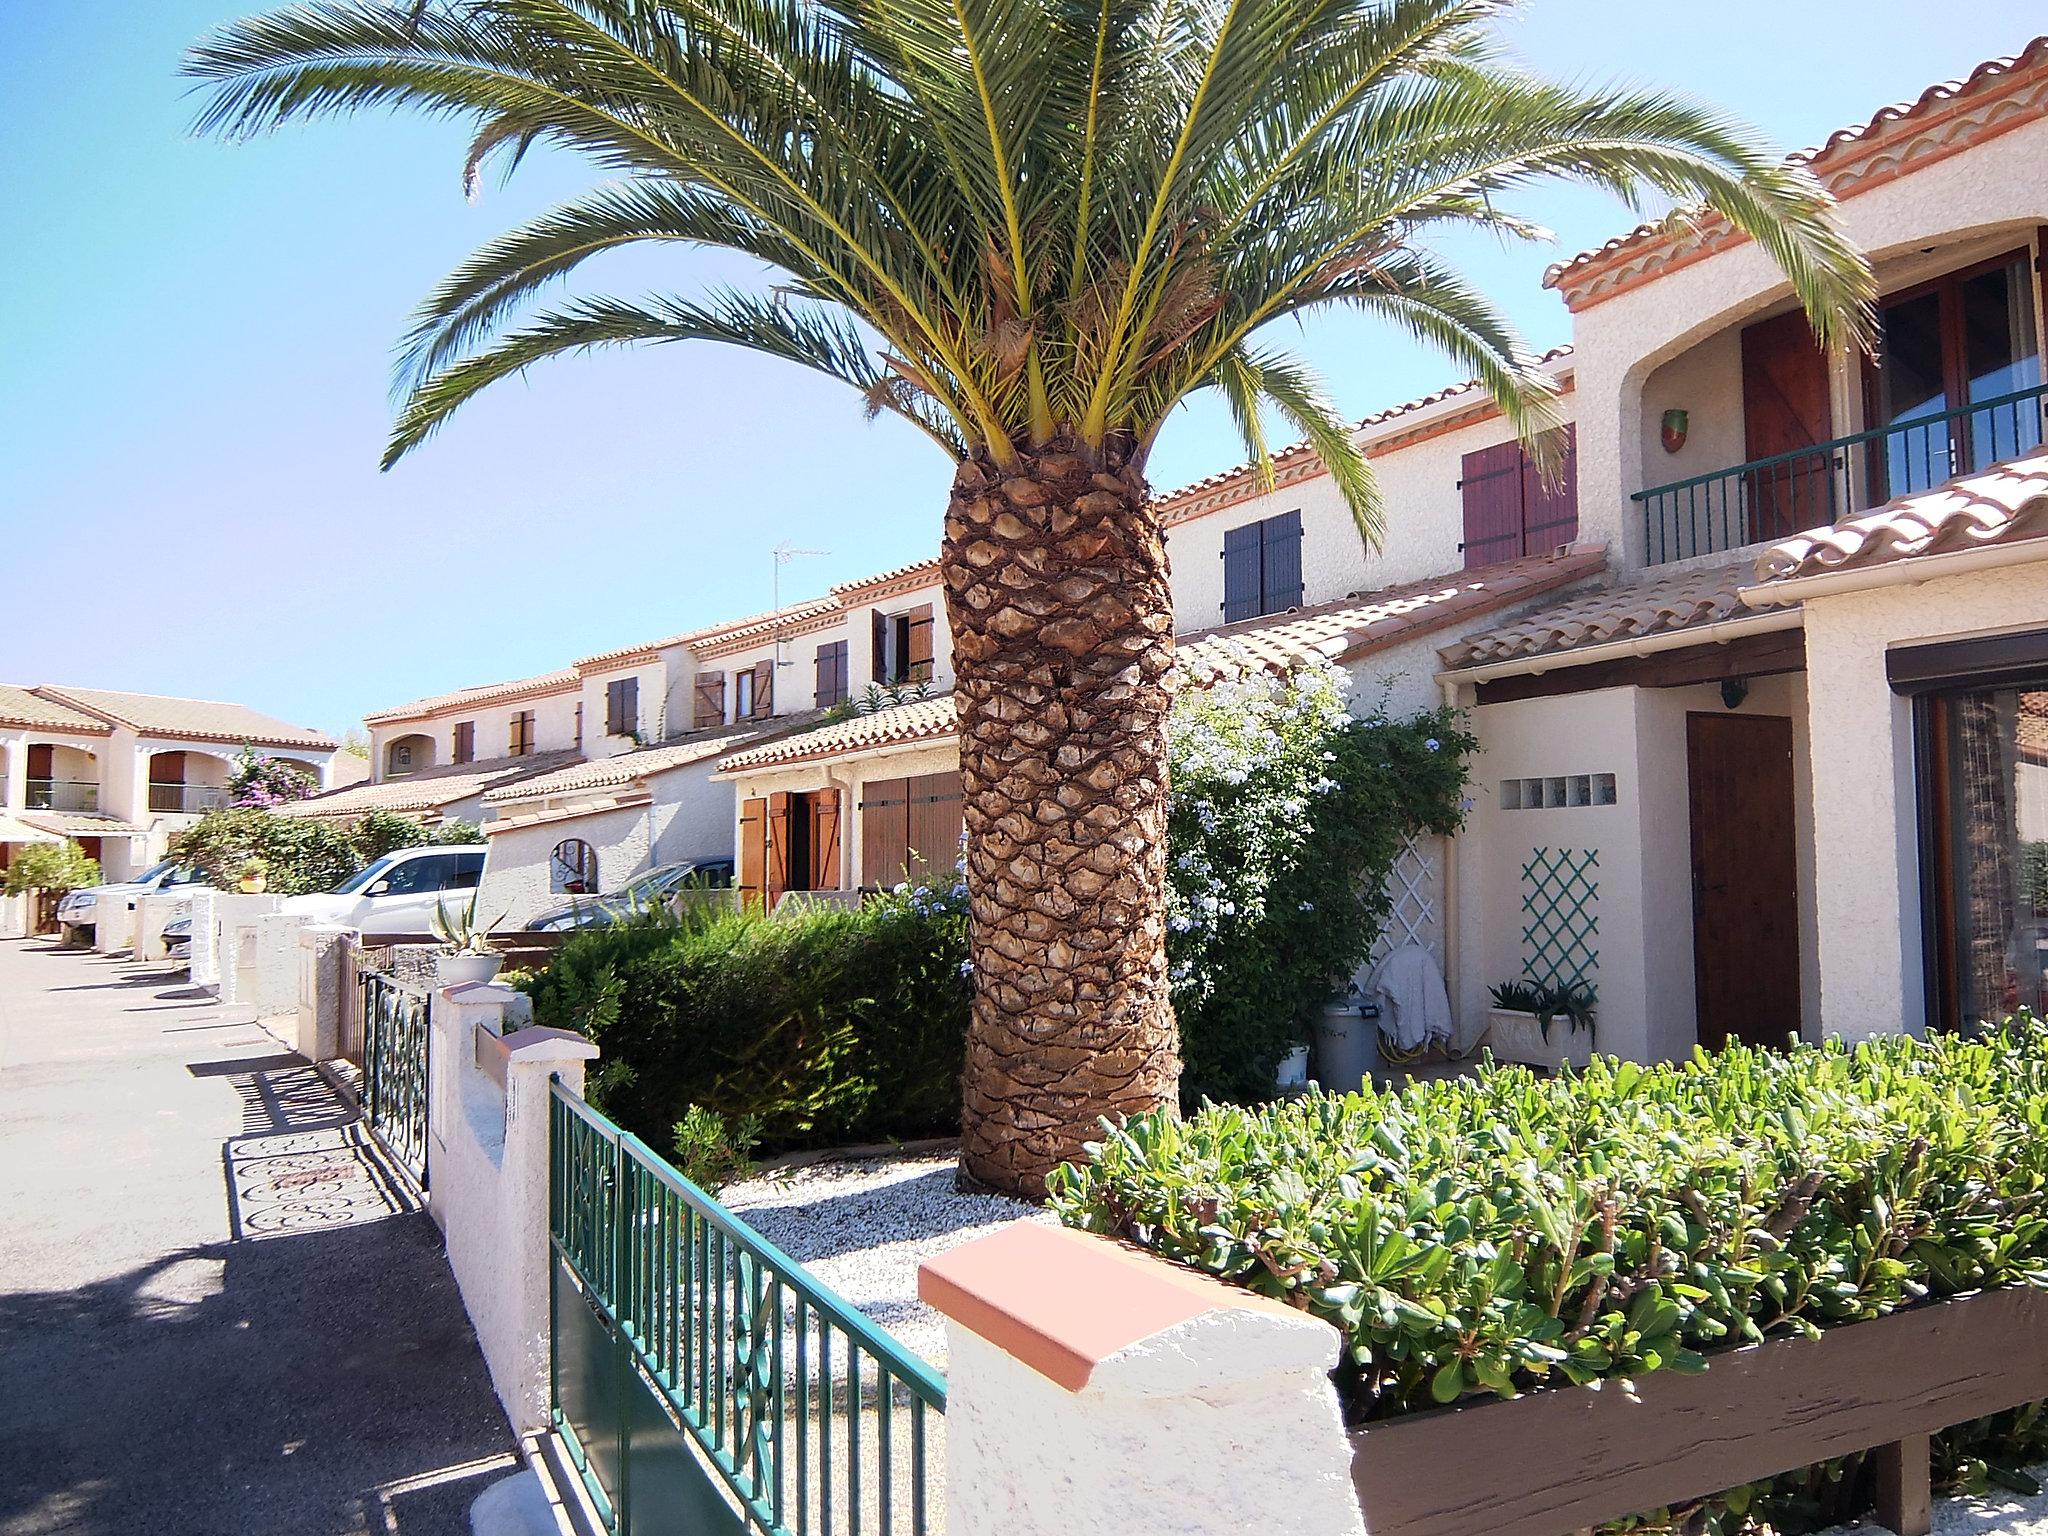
x,y
1062,1301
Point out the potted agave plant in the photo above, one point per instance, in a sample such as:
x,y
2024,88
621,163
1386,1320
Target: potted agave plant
x,y
1541,1024
467,954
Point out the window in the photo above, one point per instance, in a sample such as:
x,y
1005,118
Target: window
x,y
753,691
743,694
709,694
401,757
1984,823
789,842
831,674
572,868
622,707
1262,567
465,742
1510,511
1966,339
522,733
903,645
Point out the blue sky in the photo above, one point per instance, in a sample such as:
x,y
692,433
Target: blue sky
x,y
193,389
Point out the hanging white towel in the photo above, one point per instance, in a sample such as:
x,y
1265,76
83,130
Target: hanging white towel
x,y
1414,1007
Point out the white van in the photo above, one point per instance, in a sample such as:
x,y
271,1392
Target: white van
x,y
400,892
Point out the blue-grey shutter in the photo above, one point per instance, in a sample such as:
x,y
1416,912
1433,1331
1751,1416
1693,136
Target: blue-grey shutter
x,y
1280,584
1241,573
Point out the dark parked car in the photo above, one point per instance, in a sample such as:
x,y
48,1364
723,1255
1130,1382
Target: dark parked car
x,y
643,891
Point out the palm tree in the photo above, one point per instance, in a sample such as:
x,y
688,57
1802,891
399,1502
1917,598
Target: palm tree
x,y
1029,227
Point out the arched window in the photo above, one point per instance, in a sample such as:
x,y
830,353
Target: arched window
x,y
572,868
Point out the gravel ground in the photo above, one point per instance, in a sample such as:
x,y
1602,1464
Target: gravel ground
x,y
862,1226
1994,1514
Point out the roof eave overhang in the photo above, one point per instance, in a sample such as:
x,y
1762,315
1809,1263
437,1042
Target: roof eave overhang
x,y
1720,633
1911,571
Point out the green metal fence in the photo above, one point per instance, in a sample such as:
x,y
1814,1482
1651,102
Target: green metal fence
x,y
395,1031
1788,493
703,1381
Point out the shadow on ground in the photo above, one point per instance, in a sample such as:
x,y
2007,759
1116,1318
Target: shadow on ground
x,y
313,1375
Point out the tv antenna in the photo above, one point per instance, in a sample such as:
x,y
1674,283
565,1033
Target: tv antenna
x,y
783,554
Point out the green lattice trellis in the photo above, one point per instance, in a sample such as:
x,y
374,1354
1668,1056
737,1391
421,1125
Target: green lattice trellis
x,y
1560,893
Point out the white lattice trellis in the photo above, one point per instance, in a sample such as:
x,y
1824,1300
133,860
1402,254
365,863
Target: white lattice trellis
x,y
1416,885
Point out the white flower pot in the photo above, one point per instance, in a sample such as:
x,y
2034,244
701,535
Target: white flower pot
x,y
456,970
1518,1036
1293,1069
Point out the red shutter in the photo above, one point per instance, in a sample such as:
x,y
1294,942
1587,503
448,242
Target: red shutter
x,y
764,688
1550,513
777,880
825,840
918,645
710,699
753,849
1491,482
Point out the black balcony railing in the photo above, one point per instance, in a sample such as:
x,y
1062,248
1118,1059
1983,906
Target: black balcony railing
x,y
188,799
1776,497
62,795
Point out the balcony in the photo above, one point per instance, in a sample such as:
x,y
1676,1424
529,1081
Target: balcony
x,y
187,799
1787,493
62,795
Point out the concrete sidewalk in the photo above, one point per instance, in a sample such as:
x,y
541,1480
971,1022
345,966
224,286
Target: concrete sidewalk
x,y
219,1313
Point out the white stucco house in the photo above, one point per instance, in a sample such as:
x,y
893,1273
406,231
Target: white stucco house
x,y
121,772
1766,751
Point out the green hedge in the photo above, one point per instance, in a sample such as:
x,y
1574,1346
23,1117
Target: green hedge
x,y
825,1026
1498,1232
302,853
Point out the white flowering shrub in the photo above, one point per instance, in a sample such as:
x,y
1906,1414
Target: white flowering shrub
x,y
1287,814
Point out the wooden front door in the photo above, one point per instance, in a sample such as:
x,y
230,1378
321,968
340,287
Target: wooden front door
x,y
1745,878
1784,409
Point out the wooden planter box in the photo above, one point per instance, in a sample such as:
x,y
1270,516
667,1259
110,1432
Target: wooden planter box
x,y
1518,1036
1553,1462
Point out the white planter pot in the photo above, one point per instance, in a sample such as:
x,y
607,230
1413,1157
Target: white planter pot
x,y
1293,1069
1517,1036
455,970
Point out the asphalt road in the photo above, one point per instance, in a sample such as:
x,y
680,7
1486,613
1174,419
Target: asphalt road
x,y
219,1314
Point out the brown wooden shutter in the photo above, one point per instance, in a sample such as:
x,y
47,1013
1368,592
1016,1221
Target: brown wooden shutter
x,y
710,699
884,832
753,869
828,691
883,662
764,687
1550,513
777,880
933,825
1490,480
917,657
825,840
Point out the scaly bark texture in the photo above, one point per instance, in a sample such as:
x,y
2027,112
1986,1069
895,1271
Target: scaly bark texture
x,y
1062,618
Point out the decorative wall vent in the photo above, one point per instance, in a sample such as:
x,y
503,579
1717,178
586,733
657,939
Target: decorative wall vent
x,y
1560,791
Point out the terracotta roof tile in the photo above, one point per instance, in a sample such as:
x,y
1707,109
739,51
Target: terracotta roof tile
x,y
918,720
82,824
794,619
1654,604
486,693
2004,505
12,831
192,719
432,788
612,772
1366,622
926,569
24,706
1839,161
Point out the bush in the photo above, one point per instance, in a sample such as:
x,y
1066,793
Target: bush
x,y
1287,816
711,1150
258,779
1504,1231
821,1026
54,867
300,853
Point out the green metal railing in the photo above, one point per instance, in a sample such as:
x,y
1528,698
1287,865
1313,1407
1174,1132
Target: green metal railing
x,y
1784,494
395,1032
703,1381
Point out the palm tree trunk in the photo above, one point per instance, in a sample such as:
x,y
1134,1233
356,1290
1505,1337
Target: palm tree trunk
x,y
1062,619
